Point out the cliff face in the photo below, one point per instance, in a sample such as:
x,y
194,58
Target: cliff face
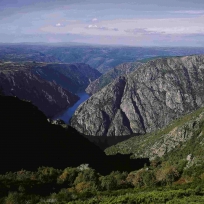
x,y
147,99
18,80
109,76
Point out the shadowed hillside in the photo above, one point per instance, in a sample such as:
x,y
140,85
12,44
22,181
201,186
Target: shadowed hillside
x,y
28,141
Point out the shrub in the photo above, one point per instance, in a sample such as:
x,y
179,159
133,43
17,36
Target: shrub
x,y
68,176
108,182
167,174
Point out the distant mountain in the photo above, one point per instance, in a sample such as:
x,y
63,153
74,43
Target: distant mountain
x,y
50,86
102,58
17,79
109,76
147,99
73,77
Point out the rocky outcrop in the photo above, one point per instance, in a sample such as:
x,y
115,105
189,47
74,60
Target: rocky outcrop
x,y
177,136
147,99
18,80
109,76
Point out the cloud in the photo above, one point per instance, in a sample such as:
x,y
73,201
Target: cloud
x,y
164,26
106,28
92,26
101,27
94,19
179,30
166,29
140,31
58,24
188,12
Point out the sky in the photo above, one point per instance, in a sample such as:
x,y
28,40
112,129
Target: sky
x,y
107,22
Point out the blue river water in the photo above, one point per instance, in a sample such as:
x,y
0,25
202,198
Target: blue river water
x,y
67,114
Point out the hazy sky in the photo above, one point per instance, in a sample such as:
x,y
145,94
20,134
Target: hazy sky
x,y
127,22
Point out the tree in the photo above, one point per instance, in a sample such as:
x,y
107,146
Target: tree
x,y
108,182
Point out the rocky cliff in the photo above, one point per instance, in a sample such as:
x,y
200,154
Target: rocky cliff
x,y
17,79
147,99
109,76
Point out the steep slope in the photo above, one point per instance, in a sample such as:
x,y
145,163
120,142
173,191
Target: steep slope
x,y
28,140
176,155
18,80
183,136
109,76
147,99
73,77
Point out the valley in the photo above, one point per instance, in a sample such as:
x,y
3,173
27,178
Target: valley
x,y
50,86
67,114
101,102
133,132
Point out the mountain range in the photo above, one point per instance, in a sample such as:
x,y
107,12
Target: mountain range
x,y
102,58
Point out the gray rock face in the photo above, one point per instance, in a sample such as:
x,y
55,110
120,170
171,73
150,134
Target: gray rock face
x,y
147,99
109,76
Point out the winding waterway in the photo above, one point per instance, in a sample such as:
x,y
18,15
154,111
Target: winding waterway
x,y
67,114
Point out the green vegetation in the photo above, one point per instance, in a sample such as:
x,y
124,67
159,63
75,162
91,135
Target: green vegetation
x,y
161,182
183,134
176,176
172,178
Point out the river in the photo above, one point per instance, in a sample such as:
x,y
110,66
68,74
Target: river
x,y
67,114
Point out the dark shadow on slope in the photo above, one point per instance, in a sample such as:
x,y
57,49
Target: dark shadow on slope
x,y
104,142
28,141
139,114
